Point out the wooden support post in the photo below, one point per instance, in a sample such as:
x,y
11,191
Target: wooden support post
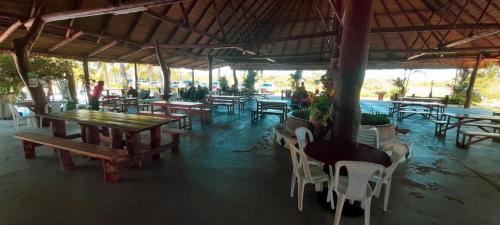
x,y
234,76
165,71
21,53
136,82
469,93
209,58
192,76
353,56
86,78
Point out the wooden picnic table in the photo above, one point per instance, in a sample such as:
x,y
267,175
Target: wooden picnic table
x,y
473,120
92,123
188,106
270,107
438,108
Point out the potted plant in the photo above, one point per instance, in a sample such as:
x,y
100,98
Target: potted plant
x,y
386,129
380,95
319,112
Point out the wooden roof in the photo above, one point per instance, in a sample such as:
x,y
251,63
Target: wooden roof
x,y
262,34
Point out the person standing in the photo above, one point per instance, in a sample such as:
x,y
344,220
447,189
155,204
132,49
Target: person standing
x,y
96,94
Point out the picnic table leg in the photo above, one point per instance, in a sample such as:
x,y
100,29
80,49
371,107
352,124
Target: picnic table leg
x,y
93,135
155,141
83,132
175,142
458,132
133,147
29,150
110,171
190,116
59,130
116,138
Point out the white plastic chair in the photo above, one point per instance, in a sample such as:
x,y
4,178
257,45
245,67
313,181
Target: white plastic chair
x,y
397,156
368,135
355,186
305,173
16,117
304,136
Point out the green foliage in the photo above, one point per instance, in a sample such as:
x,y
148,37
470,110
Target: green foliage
x,y
46,68
372,119
400,84
9,78
296,77
224,86
456,100
249,80
320,108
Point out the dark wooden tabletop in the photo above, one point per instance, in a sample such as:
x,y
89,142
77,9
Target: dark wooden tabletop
x,y
125,122
330,152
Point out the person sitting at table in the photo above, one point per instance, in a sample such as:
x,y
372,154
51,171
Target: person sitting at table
x,y
132,92
96,94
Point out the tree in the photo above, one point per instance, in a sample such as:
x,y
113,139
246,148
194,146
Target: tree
x,y
249,81
296,77
223,83
400,84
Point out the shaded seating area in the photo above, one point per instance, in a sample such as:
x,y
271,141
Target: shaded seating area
x,y
179,158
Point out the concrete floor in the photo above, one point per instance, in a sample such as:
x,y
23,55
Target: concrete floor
x,y
231,172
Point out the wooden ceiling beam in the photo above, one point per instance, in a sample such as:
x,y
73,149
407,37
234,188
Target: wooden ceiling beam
x,y
214,5
182,25
10,30
157,24
480,26
104,47
66,41
134,25
469,39
111,10
72,21
184,14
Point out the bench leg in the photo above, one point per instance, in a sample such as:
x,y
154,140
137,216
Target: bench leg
x,y
65,160
110,171
175,143
29,150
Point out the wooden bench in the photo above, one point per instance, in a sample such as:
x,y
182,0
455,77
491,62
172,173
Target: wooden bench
x,y
109,157
467,137
438,130
401,115
205,112
276,112
175,134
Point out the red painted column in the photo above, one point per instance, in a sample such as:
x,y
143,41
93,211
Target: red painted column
x,y
353,56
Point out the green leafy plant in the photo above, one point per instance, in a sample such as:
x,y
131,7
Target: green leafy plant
x,y
400,84
374,119
224,86
320,109
250,80
296,77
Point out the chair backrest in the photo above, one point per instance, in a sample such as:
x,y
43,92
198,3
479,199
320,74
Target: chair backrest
x,y
304,136
397,154
15,112
300,163
368,135
359,174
